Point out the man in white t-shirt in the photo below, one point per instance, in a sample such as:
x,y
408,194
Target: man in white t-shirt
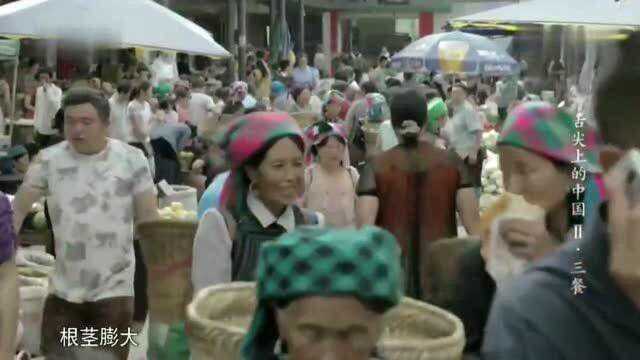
x,y
463,132
119,128
97,189
201,107
164,68
48,98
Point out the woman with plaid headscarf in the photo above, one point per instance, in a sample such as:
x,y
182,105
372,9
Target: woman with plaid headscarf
x,y
308,277
536,156
266,153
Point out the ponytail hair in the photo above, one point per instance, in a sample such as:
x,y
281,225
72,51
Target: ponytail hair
x,y
408,105
143,86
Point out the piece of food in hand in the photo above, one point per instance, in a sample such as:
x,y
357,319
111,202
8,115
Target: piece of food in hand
x,y
198,164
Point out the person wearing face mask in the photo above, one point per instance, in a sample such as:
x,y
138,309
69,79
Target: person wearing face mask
x,y
536,152
298,297
543,315
419,188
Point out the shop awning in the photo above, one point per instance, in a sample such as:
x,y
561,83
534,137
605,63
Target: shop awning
x,y
108,23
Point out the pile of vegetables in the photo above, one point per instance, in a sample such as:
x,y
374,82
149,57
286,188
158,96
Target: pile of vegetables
x,y
492,182
490,140
177,212
39,221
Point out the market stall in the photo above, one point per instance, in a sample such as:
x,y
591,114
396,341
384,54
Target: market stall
x,y
108,24
566,12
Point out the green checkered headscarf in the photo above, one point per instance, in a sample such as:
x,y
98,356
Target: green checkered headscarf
x,y
322,262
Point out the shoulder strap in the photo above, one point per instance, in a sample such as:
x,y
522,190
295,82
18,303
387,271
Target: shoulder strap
x,y
308,217
231,222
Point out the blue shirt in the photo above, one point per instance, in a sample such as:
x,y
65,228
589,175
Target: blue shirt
x,y
211,196
539,317
303,78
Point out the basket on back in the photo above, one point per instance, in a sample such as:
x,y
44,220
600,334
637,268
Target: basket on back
x,y
219,316
167,247
306,119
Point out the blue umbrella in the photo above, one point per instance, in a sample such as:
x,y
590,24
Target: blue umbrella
x,y
455,53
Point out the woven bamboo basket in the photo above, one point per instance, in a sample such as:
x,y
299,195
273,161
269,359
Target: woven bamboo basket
x,y
305,120
219,316
167,248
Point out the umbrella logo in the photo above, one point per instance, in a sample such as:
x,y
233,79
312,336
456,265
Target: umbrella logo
x,y
452,55
497,68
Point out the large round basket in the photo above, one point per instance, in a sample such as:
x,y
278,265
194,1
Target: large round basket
x,y
219,316
305,119
167,248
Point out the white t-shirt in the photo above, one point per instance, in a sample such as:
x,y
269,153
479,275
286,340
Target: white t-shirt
x,y
138,112
200,107
47,105
462,129
387,138
91,202
164,69
119,127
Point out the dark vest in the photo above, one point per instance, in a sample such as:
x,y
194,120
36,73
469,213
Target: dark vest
x,y
250,235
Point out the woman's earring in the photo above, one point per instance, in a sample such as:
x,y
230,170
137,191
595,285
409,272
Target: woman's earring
x,y
252,187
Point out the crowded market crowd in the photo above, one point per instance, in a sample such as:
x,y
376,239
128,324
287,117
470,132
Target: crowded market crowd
x,y
387,175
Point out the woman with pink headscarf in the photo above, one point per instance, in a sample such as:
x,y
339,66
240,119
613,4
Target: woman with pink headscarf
x,y
331,183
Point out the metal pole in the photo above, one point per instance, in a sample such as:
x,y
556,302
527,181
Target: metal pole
x,y
242,39
283,11
273,17
13,100
232,25
301,24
